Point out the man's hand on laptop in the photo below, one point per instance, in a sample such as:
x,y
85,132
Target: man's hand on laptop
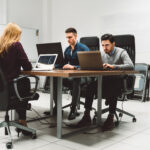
x,y
68,66
108,66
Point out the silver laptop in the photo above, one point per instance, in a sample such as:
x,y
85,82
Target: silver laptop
x,y
90,60
45,62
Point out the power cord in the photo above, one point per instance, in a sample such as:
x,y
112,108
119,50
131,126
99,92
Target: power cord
x,y
51,125
39,116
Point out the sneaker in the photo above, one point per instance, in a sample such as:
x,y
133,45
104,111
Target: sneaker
x,y
109,123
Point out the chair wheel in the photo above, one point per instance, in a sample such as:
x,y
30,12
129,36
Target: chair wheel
x,y
134,120
34,136
120,114
9,145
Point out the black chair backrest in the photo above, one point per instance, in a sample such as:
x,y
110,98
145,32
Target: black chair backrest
x,y
126,42
91,42
4,95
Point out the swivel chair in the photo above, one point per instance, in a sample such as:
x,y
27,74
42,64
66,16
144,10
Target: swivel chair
x,y
13,102
142,89
91,42
126,42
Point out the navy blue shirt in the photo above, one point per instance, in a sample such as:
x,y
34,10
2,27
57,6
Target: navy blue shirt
x,y
71,57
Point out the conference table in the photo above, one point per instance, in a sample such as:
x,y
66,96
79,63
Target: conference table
x,y
60,74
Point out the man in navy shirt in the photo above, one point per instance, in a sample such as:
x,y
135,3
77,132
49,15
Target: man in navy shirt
x,y
71,58
71,62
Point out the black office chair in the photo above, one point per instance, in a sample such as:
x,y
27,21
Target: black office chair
x,y
13,102
126,42
91,42
142,89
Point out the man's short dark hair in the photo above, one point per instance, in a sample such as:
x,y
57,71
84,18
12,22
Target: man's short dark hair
x,y
71,30
109,37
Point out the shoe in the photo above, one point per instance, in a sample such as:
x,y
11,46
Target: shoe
x,y
84,122
72,115
109,123
26,133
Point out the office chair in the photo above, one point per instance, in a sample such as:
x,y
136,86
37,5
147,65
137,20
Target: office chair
x,y
13,102
126,42
93,44
142,90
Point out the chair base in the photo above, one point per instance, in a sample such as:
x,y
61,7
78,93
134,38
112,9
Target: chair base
x,y
7,125
120,115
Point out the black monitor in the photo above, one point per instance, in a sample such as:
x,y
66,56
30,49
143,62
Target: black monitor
x,y
51,48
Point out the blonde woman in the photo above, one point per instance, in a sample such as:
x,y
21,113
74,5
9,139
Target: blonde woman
x,y
12,58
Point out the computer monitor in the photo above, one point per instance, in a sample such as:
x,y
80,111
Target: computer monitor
x,y
51,48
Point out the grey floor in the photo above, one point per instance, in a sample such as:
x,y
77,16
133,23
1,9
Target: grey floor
x,y
127,136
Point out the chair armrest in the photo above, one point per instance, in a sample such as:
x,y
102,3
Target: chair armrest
x,y
15,81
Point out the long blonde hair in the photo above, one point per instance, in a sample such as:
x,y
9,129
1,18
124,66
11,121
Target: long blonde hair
x,y
11,34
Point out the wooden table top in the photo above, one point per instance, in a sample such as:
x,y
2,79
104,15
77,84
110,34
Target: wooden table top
x,y
78,73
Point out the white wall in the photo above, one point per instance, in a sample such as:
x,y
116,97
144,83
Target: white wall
x,y
83,15
27,13
3,11
129,17
95,17
46,21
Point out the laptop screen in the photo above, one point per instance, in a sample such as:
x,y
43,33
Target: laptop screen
x,y
47,59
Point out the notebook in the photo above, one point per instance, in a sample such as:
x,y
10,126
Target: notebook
x,y
45,62
90,60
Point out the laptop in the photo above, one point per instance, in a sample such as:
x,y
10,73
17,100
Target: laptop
x,y
45,62
90,60
52,48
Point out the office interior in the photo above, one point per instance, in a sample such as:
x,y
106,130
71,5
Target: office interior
x,y
90,18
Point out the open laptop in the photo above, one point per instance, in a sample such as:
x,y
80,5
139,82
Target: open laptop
x,y
45,62
52,48
90,60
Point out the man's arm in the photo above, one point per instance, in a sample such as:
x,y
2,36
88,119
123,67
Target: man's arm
x,y
69,66
127,63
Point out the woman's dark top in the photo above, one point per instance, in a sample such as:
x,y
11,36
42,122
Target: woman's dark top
x,y
12,61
